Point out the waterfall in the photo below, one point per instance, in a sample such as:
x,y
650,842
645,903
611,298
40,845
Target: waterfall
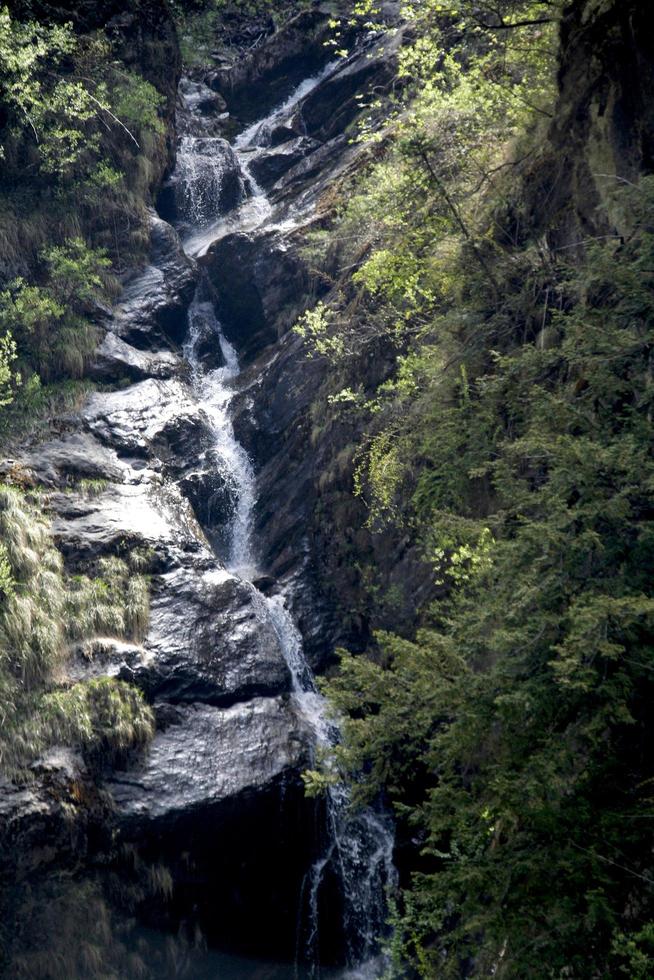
x,y
213,392
208,179
359,846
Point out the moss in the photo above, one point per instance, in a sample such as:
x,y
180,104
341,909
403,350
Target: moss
x,y
42,610
35,407
106,717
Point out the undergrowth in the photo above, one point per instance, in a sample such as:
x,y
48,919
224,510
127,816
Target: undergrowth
x,y
43,610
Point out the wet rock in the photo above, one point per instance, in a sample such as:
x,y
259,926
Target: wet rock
x,y
288,130
73,457
153,307
115,359
330,108
260,286
104,657
209,641
207,351
255,83
225,783
201,112
311,175
213,493
150,417
41,821
269,166
126,516
207,755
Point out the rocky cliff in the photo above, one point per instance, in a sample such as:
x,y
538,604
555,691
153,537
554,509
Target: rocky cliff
x,y
216,801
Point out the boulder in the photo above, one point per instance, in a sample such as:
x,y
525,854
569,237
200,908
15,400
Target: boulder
x,y
126,516
42,821
208,641
254,84
151,417
115,359
200,111
205,755
153,307
213,493
260,286
219,802
328,109
268,167
73,457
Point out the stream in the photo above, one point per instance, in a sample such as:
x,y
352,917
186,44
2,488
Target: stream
x,y
209,176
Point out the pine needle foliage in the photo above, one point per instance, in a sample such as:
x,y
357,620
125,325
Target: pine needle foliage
x,y
512,734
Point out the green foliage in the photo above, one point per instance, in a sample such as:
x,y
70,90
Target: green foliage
x,y
78,134
42,611
105,717
35,405
512,444
50,321
313,327
59,113
511,734
8,378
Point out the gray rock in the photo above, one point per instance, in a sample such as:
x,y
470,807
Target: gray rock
x,y
330,108
115,359
208,755
257,82
261,286
41,821
270,165
208,641
76,456
125,516
154,304
150,416
104,657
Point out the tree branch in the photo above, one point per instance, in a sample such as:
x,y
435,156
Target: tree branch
x,y
502,26
458,219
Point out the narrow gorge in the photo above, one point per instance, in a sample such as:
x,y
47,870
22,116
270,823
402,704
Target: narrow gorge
x,y
256,869
326,489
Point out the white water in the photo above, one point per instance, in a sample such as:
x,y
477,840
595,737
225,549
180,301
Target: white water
x,y
359,846
255,210
257,136
203,165
214,391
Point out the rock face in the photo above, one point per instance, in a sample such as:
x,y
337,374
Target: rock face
x,y
602,133
115,358
152,310
232,826
260,288
252,744
209,642
138,468
253,84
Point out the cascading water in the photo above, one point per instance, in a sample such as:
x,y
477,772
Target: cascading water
x,y
213,392
358,852
254,209
360,846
